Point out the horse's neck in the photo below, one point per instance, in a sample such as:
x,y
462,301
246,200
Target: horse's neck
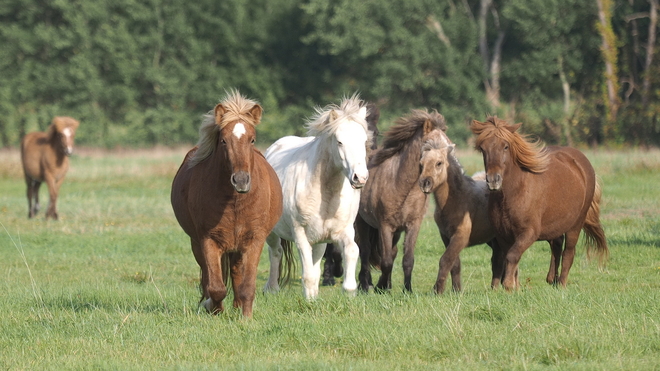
x,y
55,143
406,167
326,174
454,188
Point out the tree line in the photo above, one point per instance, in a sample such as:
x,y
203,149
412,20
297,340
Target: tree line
x,y
143,72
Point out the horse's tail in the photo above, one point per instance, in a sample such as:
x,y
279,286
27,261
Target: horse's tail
x,y
288,262
594,234
368,238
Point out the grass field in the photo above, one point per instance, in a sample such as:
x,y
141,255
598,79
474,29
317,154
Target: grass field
x,y
113,285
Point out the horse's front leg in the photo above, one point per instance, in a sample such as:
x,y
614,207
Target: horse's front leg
x,y
450,262
244,276
522,243
214,288
351,253
53,190
310,258
409,254
275,253
386,237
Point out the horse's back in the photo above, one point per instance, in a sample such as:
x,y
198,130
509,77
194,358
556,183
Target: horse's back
x,y
569,184
285,150
179,194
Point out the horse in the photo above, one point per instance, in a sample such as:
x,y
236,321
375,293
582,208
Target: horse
x,y
332,266
538,193
461,212
45,158
321,176
227,198
392,202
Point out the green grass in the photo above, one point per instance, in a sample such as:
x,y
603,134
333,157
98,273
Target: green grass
x,y
113,285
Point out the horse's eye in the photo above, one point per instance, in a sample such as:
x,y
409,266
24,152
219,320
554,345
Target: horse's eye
x,y
252,141
506,146
439,164
223,141
340,144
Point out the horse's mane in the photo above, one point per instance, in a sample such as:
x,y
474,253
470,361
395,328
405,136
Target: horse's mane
x,y
60,123
404,130
528,154
327,119
237,108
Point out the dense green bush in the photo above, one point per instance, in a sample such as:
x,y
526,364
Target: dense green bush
x,y
143,72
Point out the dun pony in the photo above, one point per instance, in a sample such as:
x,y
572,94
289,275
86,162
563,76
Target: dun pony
x,y
392,202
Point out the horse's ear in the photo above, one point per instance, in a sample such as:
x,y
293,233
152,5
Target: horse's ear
x,y
363,112
219,111
333,116
452,148
74,124
428,126
256,113
513,128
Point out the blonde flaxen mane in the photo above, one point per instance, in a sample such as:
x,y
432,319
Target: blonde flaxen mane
x,y
530,155
237,109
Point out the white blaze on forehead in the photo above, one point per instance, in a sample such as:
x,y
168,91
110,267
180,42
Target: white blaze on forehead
x,y
67,132
239,130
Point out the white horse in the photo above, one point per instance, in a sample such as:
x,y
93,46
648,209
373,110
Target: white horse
x,y
321,177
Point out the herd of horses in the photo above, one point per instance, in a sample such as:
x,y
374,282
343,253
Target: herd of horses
x,y
335,187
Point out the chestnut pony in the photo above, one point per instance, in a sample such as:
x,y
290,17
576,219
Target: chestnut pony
x,y
227,198
45,158
392,202
538,193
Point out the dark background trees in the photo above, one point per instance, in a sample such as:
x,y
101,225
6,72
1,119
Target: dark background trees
x,y
142,72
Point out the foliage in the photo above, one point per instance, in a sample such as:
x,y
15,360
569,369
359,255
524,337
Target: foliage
x,y
143,72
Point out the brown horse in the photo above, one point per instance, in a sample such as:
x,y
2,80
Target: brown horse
x,y
45,158
332,267
538,193
227,198
391,201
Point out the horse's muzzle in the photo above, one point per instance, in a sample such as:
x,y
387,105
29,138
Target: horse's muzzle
x,y
357,182
241,181
426,185
494,182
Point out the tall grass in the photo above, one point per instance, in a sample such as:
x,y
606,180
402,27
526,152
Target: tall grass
x,y
113,285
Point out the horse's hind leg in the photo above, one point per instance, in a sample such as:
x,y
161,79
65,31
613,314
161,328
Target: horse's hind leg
x,y
32,196
362,231
215,290
497,263
332,265
275,253
556,247
568,255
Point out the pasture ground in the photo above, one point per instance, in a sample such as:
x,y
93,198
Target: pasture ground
x,y
113,285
